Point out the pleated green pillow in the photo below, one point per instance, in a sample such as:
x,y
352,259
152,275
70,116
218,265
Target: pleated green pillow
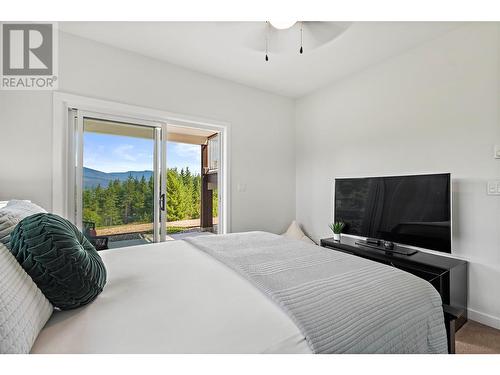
x,y
59,259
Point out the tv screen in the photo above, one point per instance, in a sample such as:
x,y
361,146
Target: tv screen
x,y
409,210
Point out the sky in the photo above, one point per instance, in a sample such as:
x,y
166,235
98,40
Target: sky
x,y
112,153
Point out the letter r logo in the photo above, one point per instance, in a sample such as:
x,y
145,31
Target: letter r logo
x,y
27,49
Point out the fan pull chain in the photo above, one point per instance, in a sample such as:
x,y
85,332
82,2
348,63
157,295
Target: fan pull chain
x,y
267,40
301,49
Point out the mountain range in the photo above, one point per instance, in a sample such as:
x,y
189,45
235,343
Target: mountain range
x,y
93,177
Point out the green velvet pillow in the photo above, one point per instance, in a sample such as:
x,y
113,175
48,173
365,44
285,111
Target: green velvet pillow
x,y
59,259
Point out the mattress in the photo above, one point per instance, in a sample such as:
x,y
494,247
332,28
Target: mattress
x,y
172,298
342,303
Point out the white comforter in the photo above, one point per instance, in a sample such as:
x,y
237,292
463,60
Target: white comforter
x,y
172,298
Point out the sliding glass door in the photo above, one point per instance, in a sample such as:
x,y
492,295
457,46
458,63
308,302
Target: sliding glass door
x,y
126,194
120,200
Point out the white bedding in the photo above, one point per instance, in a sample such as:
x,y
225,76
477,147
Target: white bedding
x,y
172,298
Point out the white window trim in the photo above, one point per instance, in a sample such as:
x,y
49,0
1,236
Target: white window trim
x,y
62,146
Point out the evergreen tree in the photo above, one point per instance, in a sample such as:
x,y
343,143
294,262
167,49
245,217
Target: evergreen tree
x,y
127,199
215,203
109,213
177,202
132,200
196,198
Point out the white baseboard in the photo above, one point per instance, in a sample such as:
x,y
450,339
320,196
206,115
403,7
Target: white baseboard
x,y
483,318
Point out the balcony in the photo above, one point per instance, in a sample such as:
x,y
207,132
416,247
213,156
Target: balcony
x,y
132,229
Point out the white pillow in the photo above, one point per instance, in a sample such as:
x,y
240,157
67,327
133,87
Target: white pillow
x,y
24,309
12,214
296,233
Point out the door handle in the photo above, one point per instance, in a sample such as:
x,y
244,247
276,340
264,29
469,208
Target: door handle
x,y
162,202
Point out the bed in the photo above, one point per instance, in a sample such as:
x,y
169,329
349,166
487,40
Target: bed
x,y
221,294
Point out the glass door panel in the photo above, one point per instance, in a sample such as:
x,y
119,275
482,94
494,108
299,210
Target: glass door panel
x,y
191,181
120,181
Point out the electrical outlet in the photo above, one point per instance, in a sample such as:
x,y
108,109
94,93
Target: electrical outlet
x,y
493,187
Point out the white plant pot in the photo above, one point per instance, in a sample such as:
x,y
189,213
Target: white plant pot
x,y
336,236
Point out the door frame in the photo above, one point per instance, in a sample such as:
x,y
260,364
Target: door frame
x,y
64,146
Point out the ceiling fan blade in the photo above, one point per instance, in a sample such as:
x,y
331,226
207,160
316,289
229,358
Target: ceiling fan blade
x,y
256,38
315,34
323,32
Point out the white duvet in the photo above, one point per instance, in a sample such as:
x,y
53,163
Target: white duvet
x,y
172,298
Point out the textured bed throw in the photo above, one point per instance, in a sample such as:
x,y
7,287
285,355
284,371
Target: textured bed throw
x,y
12,213
340,302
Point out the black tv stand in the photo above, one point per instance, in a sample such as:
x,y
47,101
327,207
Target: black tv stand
x,y
447,275
387,247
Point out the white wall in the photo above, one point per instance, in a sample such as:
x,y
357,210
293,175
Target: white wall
x,y
262,142
26,146
432,109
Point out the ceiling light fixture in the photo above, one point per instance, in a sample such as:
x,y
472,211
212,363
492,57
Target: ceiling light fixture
x,y
282,24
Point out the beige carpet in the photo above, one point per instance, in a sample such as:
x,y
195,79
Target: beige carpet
x,y
476,338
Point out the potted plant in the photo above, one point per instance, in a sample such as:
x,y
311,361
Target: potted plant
x,y
337,228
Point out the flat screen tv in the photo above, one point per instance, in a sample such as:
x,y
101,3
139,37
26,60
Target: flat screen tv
x,y
408,210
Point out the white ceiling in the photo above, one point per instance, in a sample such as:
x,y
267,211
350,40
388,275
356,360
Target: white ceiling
x,y
235,50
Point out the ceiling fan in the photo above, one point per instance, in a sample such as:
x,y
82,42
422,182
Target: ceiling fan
x,y
280,35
